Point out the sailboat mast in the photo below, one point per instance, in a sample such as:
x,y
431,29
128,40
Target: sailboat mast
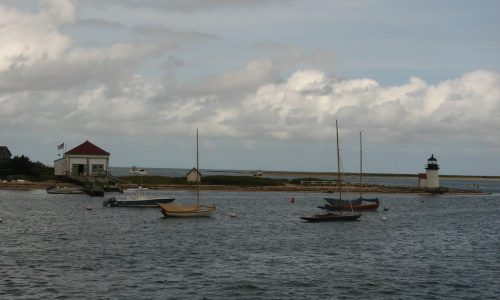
x,y
360,165
197,170
338,161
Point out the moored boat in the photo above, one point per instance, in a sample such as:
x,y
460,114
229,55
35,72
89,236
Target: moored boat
x,y
141,199
64,190
189,210
328,217
343,214
186,210
358,204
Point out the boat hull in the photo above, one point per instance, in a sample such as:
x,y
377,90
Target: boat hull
x,y
358,204
336,201
64,191
186,211
331,217
152,202
196,214
355,207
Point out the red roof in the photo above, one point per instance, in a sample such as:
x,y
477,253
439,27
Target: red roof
x,y
87,148
422,175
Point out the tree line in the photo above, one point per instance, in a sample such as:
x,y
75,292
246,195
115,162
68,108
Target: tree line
x,y
21,167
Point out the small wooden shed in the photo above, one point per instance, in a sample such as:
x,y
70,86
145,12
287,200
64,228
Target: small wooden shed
x,y
193,176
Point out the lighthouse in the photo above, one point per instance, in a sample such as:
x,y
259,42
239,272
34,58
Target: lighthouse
x,y
431,177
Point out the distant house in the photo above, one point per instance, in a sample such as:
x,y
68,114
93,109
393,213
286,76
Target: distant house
x,y
5,153
193,175
84,160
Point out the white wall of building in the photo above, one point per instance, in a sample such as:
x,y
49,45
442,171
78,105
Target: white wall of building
x,y
92,165
432,179
60,167
193,176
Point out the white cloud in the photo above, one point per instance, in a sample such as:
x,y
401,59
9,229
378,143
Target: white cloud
x,y
36,55
272,83
26,39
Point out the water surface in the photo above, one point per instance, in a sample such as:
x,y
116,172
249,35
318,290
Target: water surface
x,y
430,247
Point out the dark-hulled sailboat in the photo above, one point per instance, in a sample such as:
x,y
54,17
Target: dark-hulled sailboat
x,y
340,215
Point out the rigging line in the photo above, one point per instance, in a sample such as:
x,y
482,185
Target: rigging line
x,y
344,176
345,181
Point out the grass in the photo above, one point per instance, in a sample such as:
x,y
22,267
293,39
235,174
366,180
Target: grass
x,y
245,181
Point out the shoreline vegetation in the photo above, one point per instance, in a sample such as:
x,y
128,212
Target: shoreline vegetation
x,y
250,183
20,173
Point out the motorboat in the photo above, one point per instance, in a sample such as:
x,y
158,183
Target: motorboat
x,y
137,198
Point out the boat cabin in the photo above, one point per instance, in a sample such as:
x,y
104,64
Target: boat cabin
x,y
85,159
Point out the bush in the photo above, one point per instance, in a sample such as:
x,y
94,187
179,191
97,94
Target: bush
x,y
22,167
154,180
242,181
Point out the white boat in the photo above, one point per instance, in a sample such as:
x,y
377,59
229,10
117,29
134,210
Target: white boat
x,y
189,210
64,190
137,198
137,171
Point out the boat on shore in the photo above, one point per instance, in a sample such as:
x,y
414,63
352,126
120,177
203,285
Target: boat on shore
x,y
139,199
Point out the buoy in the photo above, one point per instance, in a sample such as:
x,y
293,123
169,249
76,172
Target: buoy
x,y
232,214
384,218
293,200
0,220
89,207
386,208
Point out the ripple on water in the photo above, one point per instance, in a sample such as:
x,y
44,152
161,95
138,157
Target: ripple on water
x,y
442,247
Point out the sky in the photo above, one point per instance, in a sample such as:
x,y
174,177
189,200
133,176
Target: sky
x,y
264,82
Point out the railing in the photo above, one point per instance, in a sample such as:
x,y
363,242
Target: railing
x,y
318,182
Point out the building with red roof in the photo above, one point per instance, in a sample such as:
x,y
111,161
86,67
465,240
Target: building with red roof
x,y
85,159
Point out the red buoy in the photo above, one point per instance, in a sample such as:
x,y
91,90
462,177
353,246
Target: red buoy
x,y
293,200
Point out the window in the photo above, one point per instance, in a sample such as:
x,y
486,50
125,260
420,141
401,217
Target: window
x,y
98,169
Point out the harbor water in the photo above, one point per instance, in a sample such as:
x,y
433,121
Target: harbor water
x,y
429,247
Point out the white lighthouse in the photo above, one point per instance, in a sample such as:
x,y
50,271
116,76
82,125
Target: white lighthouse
x,y
431,177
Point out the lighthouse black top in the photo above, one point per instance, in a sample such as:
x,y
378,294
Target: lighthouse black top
x,y
432,163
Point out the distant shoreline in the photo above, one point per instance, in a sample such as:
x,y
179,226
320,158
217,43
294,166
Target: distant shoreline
x,y
369,189
312,174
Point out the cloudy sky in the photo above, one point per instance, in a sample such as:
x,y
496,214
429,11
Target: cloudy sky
x,y
263,80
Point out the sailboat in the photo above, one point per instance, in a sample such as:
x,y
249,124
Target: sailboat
x,y
337,216
359,203
189,210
